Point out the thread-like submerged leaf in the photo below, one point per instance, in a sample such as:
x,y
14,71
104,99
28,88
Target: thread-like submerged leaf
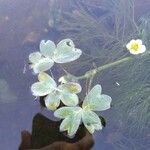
x,y
47,48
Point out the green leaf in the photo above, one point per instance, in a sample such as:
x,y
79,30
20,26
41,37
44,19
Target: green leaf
x,y
34,57
44,64
52,101
71,87
69,99
45,77
65,42
64,112
91,121
95,101
71,124
66,52
43,88
47,48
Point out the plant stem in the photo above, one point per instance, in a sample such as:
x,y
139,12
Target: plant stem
x,y
92,72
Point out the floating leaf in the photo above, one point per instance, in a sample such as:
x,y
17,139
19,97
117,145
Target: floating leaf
x,y
34,57
91,121
47,48
95,101
66,52
71,124
43,64
69,99
64,112
44,87
71,87
52,101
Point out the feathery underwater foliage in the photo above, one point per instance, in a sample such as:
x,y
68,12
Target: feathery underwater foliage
x,y
104,38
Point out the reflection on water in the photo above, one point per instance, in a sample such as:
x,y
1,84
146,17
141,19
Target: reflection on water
x,y
101,29
6,95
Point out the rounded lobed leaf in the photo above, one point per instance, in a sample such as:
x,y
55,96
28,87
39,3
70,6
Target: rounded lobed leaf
x,y
95,101
69,99
91,121
71,124
47,48
66,52
64,112
71,87
44,64
46,77
52,101
35,57
41,88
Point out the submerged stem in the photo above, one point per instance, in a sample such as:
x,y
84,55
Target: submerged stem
x,y
92,72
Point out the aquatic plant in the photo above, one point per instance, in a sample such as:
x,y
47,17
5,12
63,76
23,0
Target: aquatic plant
x,y
49,53
103,29
73,116
103,38
67,91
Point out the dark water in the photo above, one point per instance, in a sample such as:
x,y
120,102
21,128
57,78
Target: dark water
x,y
101,28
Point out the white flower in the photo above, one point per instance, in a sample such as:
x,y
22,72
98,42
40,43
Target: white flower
x,y
49,53
46,86
73,116
136,47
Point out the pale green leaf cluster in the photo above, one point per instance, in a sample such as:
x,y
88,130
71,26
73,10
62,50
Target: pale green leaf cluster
x,y
46,86
67,91
74,116
64,52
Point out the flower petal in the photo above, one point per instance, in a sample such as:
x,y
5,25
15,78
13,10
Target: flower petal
x,y
52,101
47,48
41,88
64,112
69,99
91,121
128,46
139,42
34,57
95,101
142,48
44,64
71,124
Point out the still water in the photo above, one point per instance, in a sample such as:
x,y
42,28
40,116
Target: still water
x,y
101,28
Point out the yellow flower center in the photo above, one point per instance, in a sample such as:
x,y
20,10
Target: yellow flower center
x,y
134,47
